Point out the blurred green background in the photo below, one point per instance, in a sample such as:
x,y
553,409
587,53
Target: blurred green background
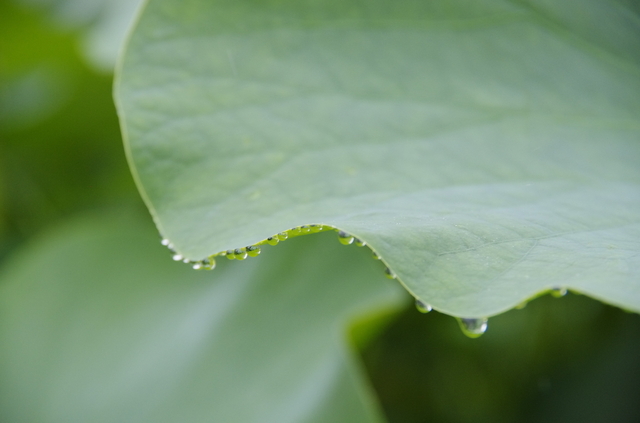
x,y
556,360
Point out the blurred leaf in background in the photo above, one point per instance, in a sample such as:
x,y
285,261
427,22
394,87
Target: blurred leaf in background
x,y
97,325
60,148
103,25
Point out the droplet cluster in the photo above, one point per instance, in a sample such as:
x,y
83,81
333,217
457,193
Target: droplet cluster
x,y
242,253
245,252
206,264
472,327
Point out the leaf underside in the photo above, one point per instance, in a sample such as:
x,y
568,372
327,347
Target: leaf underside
x,y
97,325
487,151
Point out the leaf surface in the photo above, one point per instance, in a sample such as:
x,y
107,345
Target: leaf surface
x,y
486,150
97,325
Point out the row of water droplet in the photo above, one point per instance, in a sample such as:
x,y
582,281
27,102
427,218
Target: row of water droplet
x,y
206,264
348,239
472,327
249,251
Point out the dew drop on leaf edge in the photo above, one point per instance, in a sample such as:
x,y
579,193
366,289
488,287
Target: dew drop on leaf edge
x,y
388,273
253,251
423,307
473,327
316,228
345,238
558,292
209,263
240,253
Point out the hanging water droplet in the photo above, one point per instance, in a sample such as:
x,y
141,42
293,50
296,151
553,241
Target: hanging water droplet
x,y
240,253
273,240
230,255
253,251
295,231
316,228
305,229
345,238
177,257
473,328
186,261
282,236
376,256
209,263
165,242
171,247
388,273
423,307
197,266
359,242
558,292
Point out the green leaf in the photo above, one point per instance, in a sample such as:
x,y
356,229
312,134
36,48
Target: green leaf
x,y
486,150
96,324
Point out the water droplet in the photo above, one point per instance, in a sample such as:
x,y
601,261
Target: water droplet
x,y
473,328
209,263
558,292
186,261
388,273
316,228
230,255
165,242
345,238
295,231
177,257
359,242
282,236
376,256
171,247
273,240
240,253
423,307
253,251
305,229
197,266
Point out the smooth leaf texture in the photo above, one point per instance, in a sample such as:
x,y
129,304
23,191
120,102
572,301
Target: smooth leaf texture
x,y
486,150
96,325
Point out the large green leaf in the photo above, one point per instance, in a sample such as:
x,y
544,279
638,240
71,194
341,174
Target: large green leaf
x,y
486,150
96,325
